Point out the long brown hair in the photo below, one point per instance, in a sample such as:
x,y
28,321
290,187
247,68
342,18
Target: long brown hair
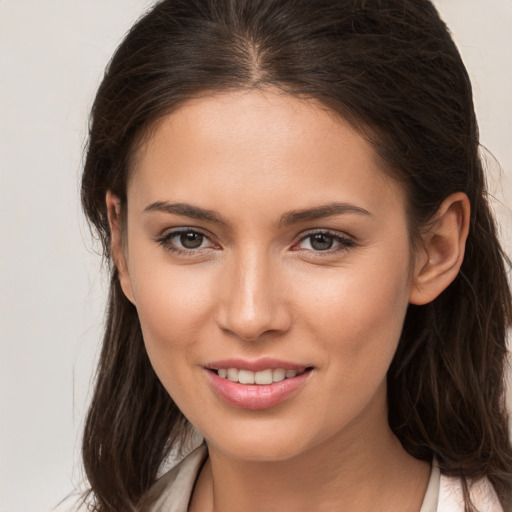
x,y
390,68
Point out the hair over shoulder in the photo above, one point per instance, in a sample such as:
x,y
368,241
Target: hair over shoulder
x,y
389,67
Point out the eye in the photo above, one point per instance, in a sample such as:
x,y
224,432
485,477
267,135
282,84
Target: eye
x,y
324,241
191,239
185,240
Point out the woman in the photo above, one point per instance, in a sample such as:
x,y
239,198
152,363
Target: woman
x,y
292,198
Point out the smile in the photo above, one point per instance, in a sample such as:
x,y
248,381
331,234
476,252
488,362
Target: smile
x,y
263,377
257,385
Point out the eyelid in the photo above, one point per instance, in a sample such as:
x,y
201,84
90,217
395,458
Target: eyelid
x,y
346,241
165,239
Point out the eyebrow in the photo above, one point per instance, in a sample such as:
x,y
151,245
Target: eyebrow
x,y
320,212
186,210
292,217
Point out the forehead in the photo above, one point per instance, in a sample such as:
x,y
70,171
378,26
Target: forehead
x,y
257,144
244,117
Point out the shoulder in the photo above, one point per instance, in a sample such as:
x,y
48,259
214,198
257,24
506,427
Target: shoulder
x,y
172,491
482,494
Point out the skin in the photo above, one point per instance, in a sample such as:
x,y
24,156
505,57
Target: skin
x,y
258,287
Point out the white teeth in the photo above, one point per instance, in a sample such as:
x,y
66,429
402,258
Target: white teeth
x,y
264,377
233,374
246,377
278,374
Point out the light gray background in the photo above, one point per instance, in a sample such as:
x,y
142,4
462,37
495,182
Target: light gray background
x,y
52,55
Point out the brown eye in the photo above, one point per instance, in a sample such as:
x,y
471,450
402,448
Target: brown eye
x,y
185,241
325,241
321,241
191,240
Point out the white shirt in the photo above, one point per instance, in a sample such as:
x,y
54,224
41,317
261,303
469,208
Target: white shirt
x,y
172,492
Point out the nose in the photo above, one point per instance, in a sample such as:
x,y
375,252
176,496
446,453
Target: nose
x,y
252,298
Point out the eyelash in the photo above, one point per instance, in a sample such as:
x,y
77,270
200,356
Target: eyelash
x,y
344,242
166,241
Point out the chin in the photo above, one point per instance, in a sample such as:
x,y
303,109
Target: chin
x,y
260,450
265,442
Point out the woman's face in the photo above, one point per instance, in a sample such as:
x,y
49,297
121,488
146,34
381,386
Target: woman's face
x,y
263,236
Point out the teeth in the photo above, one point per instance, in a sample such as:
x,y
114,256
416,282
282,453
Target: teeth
x,y
246,377
263,377
233,374
278,374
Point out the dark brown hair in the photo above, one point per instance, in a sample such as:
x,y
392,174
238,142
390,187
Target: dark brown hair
x,y
390,68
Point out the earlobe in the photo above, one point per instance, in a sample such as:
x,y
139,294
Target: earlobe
x,y
442,253
117,249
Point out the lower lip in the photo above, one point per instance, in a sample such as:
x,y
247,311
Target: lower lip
x,y
256,396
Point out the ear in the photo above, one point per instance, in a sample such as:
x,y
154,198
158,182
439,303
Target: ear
x,y
439,260
117,248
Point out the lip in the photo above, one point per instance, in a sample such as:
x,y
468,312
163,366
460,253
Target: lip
x,y
257,365
257,396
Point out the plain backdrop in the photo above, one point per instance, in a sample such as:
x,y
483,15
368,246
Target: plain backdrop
x,y
52,292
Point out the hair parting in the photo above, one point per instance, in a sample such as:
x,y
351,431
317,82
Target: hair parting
x,y
391,69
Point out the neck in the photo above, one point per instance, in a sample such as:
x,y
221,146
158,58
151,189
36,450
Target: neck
x,y
352,470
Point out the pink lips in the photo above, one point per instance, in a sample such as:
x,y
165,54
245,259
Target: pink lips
x,y
255,396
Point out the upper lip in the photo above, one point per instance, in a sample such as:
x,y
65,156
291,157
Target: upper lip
x,y
256,365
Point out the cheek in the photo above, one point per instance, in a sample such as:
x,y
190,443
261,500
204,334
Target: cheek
x,y
355,319
174,307
358,314
173,312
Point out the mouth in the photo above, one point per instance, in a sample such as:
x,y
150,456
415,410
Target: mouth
x,y
262,377
259,384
